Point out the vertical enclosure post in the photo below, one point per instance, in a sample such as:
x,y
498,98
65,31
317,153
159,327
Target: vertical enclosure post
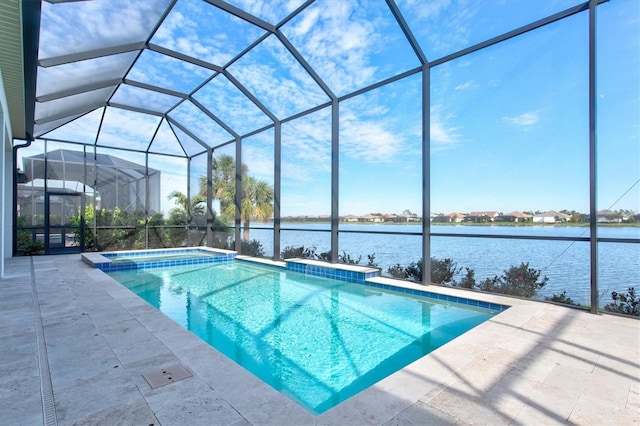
x,y
593,192
277,174
238,197
209,197
426,174
335,184
147,191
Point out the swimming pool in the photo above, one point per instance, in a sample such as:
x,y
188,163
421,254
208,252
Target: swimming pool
x,y
317,340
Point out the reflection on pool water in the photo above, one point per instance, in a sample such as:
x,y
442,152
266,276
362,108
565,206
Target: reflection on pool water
x,y
317,340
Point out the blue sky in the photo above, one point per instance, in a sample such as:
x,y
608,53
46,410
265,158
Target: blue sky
x,y
509,124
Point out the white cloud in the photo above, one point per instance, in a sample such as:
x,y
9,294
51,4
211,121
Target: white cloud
x,y
306,151
306,146
257,154
426,10
173,177
341,40
525,120
188,29
443,26
467,85
439,134
229,104
443,133
127,129
165,141
369,141
308,21
277,80
271,11
200,124
82,129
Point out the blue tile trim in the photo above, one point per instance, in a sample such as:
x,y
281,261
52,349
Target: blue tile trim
x,y
362,277
111,267
277,268
152,253
438,296
331,272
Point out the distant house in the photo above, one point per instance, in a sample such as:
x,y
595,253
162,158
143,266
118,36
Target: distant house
x,y
372,218
391,217
608,216
488,216
350,218
439,218
551,216
514,216
454,217
409,217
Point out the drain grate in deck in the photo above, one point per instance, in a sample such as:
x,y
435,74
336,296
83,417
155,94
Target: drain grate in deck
x,y
167,375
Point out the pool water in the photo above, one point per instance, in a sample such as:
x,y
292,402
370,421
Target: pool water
x,y
127,257
317,340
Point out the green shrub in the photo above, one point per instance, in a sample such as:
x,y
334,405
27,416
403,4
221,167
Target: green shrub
x,y
628,304
561,298
468,280
414,271
443,270
324,256
251,248
291,252
26,244
517,281
397,271
347,259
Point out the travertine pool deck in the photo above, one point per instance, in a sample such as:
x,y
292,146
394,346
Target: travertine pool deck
x,y
535,363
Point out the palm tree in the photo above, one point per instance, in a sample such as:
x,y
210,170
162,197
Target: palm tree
x,y
257,195
223,178
257,202
196,207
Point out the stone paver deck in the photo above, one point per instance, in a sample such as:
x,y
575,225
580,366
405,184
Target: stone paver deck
x,y
535,363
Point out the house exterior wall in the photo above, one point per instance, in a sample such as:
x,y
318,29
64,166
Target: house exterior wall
x,y
6,181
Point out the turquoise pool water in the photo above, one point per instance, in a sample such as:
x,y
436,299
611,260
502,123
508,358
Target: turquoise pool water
x,y
317,340
124,257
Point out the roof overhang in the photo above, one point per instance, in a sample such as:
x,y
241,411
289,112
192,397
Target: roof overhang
x,y
19,29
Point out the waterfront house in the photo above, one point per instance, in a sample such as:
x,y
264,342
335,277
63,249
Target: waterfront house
x,y
372,218
390,217
350,218
551,216
410,217
609,216
514,216
488,216
448,218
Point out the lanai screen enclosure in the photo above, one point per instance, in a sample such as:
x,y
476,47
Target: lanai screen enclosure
x,y
284,122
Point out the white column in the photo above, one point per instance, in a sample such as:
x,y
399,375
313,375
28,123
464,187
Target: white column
x,y
3,195
5,191
6,181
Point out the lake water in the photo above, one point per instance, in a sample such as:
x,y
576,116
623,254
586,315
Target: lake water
x,y
566,263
